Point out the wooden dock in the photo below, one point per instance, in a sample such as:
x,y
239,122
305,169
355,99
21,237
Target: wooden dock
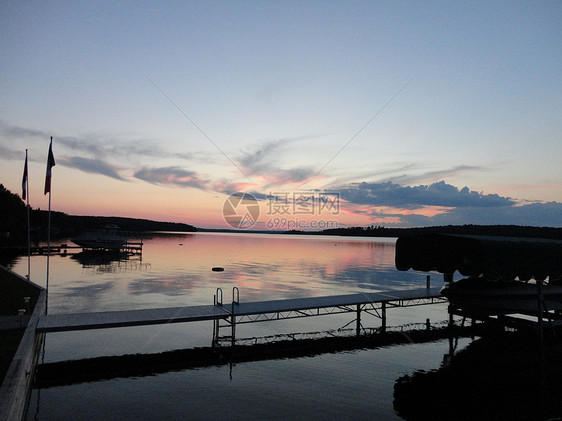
x,y
245,312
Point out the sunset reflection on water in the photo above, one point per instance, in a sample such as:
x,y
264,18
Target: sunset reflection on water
x,y
176,269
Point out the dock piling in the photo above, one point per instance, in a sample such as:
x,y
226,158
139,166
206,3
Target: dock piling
x,y
235,300
383,316
358,321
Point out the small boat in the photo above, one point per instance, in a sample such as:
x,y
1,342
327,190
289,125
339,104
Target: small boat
x,y
477,294
105,239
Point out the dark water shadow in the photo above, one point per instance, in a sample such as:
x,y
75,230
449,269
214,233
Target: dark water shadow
x,y
138,365
97,257
501,377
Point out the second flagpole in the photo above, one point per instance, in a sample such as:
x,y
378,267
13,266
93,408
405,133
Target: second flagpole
x,y
50,165
25,187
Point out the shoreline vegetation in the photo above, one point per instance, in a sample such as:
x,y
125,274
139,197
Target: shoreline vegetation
x,y
13,223
382,232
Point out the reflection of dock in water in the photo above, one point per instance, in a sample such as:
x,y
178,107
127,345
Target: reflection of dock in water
x,y
137,365
129,247
109,262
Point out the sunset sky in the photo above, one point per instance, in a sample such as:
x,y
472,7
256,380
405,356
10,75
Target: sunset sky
x,y
408,113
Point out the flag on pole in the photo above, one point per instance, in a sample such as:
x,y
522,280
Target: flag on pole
x,y
24,180
50,164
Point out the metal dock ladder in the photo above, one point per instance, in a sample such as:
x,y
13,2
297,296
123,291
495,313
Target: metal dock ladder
x,y
230,321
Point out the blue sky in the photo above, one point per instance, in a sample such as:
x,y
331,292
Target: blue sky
x,y
417,113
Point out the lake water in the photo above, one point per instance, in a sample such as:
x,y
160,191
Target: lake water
x,y
175,270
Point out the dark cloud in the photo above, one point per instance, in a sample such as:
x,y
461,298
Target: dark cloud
x,y
96,145
94,166
101,146
406,197
91,146
435,175
17,132
88,144
9,154
264,161
18,137
261,196
268,151
256,159
387,174
288,176
171,176
256,195
536,214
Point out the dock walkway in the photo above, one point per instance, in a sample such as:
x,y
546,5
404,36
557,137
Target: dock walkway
x,y
242,312
331,304
125,318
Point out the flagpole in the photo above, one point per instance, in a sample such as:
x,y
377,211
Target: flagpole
x,y
28,223
48,252
50,165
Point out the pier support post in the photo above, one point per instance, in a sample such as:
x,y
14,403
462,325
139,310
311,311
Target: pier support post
x,y
215,340
235,300
540,304
233,323
428,281
383,317
358,321
451,331
217,301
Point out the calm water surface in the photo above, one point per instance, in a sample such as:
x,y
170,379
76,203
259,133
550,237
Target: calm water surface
x,y
175,270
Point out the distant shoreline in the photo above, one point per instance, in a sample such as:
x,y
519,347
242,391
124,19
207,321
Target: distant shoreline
x,y
493,230
13,226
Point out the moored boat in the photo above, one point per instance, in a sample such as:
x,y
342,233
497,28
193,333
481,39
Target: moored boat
x,y
502,297
105,239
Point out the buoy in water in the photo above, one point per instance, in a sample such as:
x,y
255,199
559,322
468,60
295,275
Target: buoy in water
x,y
217,269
